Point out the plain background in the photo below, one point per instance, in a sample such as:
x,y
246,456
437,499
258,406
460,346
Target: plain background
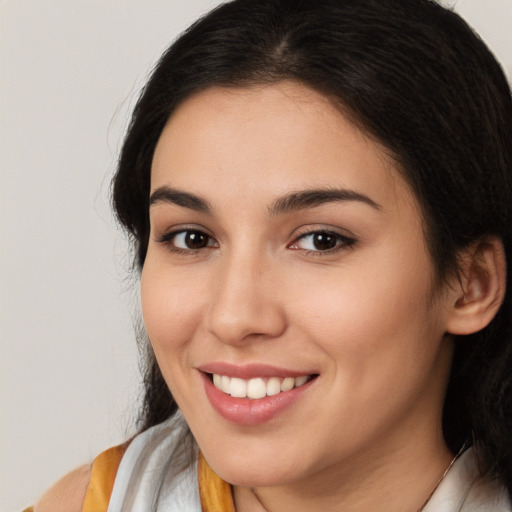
x,y
69,75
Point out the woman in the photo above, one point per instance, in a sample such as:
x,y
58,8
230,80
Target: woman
x,y
319,195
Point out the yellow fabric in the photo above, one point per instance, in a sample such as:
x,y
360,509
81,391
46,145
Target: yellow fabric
x,y
103,474
216,494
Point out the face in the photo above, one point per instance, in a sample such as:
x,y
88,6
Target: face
x,y
287,289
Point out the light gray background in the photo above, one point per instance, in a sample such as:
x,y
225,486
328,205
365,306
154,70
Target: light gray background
x,y
69,73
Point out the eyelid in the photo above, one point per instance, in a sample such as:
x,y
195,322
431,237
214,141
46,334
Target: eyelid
x,y
168,237
312,228
344,240
162,235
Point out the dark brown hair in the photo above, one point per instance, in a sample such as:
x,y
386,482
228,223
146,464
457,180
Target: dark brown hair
x,y
416,78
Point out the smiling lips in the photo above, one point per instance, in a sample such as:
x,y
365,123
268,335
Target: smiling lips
x,y
253,394
257,387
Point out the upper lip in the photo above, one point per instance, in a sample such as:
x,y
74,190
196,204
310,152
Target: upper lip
x,y
251,371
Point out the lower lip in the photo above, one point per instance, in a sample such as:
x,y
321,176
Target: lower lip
x,y
247,411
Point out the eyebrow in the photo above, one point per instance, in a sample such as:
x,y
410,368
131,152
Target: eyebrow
x,y
294,201
305,199
180,198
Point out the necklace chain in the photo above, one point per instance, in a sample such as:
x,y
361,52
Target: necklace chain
x,y
457,455
426,501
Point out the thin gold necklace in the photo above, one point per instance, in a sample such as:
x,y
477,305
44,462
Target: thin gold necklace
x,y
426,501
442,478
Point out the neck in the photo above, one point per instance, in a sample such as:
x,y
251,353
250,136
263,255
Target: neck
x,y
400,480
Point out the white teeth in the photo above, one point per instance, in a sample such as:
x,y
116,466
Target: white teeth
x,y
273,386
238,388
257,387
299,381
224,384
287,384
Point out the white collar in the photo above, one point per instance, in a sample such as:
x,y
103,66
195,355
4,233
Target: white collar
x,y
159,472
462,490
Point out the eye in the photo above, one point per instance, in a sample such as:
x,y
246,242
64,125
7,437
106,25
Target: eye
x,y
322,241
188,240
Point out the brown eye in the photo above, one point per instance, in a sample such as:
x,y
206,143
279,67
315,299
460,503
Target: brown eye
x,y
195,239
324,241
188,240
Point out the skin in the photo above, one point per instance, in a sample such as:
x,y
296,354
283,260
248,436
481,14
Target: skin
x,y
365,316
68,494
259,289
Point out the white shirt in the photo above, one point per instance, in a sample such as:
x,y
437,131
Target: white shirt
x,y
158,473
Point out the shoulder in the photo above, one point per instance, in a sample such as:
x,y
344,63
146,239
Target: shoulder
x,y
87,488
68,494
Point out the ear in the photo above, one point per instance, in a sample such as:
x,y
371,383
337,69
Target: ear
x,y
480,288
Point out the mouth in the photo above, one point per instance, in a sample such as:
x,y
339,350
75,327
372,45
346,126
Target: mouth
x,y
254,394
258,387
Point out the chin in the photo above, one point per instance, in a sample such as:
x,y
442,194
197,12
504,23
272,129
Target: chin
x,y
245,477
263,472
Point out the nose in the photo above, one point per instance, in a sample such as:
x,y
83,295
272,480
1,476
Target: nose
x,y
245,301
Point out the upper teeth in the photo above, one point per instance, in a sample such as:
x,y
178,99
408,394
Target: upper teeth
x,y
258,387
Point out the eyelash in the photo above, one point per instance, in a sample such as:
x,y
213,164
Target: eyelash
x,y
342,242
168,239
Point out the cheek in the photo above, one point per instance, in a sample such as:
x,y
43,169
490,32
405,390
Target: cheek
x,y
169,308
380,309
382,340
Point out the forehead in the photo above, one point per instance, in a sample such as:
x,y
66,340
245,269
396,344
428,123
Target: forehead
x,y
271,139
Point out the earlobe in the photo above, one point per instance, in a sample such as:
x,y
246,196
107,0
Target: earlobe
x,y
480,290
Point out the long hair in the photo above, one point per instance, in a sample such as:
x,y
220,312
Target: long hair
x,y
414,77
